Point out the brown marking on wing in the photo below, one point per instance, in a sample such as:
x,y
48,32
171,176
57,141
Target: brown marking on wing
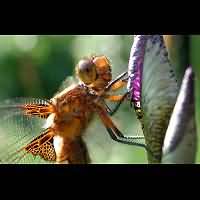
x,y
40,110
42,146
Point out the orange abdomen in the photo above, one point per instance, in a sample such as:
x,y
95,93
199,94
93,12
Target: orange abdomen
x,y
72,151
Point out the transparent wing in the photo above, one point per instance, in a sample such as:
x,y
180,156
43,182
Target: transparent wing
x,y
69,81
159,93
18,129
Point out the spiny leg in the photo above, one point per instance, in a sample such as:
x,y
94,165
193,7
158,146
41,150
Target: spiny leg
x,y
116,81
119,84
114,85
115,98
124,139
115,133
118,136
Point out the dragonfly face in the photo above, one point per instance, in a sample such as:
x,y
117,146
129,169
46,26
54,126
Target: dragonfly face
x,y
95,72
68,113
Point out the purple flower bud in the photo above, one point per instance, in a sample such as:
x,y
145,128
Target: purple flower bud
x,y
153,89
180,142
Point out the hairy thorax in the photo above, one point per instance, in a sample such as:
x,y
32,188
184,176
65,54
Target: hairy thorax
x,y
73,112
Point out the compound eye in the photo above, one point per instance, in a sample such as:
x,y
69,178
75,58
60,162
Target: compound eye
x,y
101,61
86,71
85,65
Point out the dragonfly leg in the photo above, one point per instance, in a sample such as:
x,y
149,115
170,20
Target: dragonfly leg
x,y
119,99
119,137
114,85
115,133
118,82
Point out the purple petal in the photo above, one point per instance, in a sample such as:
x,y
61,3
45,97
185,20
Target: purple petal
x,y
153,88
136,61
180,140
135,67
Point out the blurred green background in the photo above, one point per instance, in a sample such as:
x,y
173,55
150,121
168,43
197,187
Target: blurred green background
x,y
35,66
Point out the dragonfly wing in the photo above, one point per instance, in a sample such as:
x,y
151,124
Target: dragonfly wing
x,y
154,86
18,129
69,81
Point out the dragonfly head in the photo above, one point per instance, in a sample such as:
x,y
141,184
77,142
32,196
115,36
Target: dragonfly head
x,y
86,71
90,69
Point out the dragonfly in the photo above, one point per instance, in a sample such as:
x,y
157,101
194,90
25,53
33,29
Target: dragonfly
x,y
53,129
